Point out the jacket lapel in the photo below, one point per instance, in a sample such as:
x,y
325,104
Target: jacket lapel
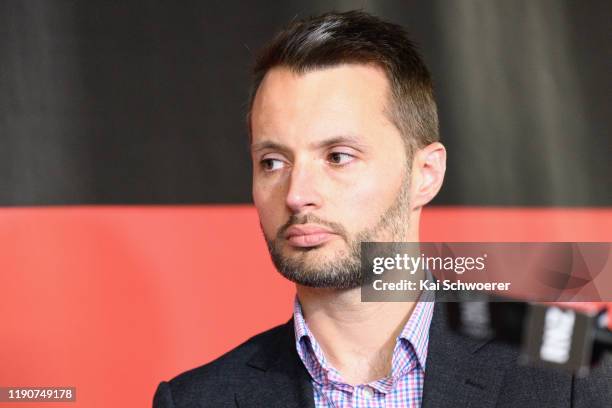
x,y
280,378
457,372
460,372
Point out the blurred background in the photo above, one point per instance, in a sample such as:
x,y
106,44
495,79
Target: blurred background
x,y
128,244
143,102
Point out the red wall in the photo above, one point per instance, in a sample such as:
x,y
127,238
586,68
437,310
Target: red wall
x,y
112,300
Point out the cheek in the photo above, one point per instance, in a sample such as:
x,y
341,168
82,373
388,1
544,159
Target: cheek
x,y
368,198
270,207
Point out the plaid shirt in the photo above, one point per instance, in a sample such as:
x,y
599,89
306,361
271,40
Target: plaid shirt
x,y
402,389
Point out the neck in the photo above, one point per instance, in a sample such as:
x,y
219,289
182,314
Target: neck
x,y
357,338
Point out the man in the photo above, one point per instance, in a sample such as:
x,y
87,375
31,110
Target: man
x,y
344,142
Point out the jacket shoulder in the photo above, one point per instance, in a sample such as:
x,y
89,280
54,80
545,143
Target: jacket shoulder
x,y
217,381
234,360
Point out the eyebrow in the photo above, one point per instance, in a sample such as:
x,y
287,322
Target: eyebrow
x,y
267,144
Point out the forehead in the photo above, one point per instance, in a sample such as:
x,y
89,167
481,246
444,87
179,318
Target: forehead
x,y
349,98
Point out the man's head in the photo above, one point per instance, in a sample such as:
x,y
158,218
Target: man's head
x,y
343,129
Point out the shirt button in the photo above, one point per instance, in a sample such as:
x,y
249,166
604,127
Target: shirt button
x,y
368,392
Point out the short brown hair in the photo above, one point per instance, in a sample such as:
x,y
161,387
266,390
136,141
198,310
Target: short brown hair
x,y
358,37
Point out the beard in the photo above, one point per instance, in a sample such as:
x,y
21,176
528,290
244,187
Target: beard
x,y
343,270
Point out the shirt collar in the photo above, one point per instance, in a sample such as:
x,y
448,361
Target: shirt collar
x,y
416,330
310,352
414,335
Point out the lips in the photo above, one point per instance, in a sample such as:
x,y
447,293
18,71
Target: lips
x,y
305,236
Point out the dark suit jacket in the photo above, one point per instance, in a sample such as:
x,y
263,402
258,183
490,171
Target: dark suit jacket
x,y
266,372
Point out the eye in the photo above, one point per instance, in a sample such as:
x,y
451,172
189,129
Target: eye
x,y
340,158
272,164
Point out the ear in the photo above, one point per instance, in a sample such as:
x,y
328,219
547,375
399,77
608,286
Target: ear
x,y
428,168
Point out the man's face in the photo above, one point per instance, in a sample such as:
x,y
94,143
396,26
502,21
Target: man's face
x,y
329,171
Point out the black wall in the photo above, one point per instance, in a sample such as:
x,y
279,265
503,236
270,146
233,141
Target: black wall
x,y
143,102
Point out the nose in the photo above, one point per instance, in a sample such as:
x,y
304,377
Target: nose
x,y
303,194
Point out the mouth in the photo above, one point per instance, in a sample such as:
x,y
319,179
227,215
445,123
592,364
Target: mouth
x,y
307,236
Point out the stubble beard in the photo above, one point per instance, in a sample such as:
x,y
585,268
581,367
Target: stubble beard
x,y
343,271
